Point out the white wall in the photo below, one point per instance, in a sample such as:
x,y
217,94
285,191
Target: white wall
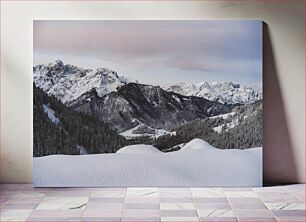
x,y
284,131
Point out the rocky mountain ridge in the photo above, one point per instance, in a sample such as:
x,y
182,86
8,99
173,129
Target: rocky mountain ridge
x,y
222,92
68,82
151,105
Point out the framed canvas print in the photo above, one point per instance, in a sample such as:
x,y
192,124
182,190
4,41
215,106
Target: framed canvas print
x,y
147,103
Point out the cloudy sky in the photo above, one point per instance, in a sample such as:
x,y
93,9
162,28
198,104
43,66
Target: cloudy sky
x,y
157,52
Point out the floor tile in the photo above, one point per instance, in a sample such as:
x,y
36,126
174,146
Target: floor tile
x,y
175,193
114,206
143,213
176,200
94,189
256,219
103,213
3,200
213,206
174,189
289,213
207,192
278,197
253,213
23,202
179,219
178,213
238,189
210,200
285,206
25,195
63,203
54,219
14,214
55,215
101,219
245,200
246,194
140,219
109,194
248,206
142,193
141,206
218,219
177,206
68,193
20,206
216,213
142,200
301,187
105,200
299,195
291,219
279,189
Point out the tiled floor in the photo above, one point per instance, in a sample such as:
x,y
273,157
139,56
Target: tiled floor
x,y
22,202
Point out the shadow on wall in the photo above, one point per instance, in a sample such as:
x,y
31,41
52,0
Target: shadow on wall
x,y
278,159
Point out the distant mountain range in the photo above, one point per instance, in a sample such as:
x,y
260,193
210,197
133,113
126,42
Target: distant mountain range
x,y
222,92
68,83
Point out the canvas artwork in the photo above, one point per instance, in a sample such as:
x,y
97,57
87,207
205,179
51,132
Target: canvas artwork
x,y
147,103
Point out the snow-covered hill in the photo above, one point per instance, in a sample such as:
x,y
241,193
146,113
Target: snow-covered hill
x,y
68,82
139,149
222,92
196,164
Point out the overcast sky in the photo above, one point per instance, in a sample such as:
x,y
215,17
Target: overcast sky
x,y
157,52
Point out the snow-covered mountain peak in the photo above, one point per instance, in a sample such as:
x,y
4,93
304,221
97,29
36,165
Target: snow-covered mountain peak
x,y
197,144
222,92
139,149
68,82
57,62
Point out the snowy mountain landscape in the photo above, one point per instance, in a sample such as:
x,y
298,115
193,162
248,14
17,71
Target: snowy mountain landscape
x,y
211,134
147,103
74,101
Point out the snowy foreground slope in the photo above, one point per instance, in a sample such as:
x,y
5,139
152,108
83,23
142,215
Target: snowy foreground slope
x,y
196,164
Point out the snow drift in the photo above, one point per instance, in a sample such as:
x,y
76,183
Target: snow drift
x,y
196,164
139,148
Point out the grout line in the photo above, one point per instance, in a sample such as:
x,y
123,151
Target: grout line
x,y
158,197
229,203
123,206
197,210
265,205
298,197
5,202
38,203
91,192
